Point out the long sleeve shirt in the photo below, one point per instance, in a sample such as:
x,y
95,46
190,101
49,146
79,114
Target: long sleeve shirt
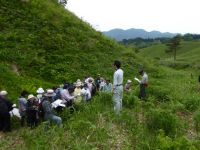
x,y
66,96
118,78
22,104
144,79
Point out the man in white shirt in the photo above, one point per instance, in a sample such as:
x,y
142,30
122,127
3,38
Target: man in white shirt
x,y
117,87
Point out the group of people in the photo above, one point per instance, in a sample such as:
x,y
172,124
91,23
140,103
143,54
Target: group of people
x,y
44,105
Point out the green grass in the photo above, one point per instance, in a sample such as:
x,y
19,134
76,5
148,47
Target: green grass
x,y
42,44
187,56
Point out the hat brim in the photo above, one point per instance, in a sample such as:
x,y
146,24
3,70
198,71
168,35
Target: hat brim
x,y
40,92
31,98
50,95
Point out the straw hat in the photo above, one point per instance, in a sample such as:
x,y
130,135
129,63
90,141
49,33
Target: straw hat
x,y
50,93
31,96
40,91
3,93
78,84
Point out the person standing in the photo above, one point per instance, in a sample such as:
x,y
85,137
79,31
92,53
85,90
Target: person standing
x,y
117,87
5,108
143,84
22,106
32,111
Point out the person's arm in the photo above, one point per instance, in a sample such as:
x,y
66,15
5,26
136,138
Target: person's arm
x,y
137,80
115,80
69,97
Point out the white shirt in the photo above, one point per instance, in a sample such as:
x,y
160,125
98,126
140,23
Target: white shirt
x,y
86,94
118,77
144,79
66,96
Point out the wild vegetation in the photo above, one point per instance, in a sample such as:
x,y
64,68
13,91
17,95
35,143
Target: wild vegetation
x,y
42,44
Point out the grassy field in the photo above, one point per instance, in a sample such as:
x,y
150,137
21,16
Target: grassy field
x,y
187,55
42,44
169,119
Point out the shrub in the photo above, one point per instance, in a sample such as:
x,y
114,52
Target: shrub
x,y
165,143
161,119
196,119
160,93
130,100
192,104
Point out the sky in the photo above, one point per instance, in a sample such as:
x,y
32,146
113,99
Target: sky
x,y
176,16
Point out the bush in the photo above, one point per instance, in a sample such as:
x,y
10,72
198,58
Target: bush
x,y
191,104
160,93
161,119
196,119
130,100
166,143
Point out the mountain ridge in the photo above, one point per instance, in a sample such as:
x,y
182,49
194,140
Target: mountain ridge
x,y
120,34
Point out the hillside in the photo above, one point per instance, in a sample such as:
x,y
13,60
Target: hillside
x,y
44,41
188,55
42,44
120,34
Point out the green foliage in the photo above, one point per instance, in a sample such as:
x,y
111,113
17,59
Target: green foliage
x,y
48,45
162,119
187,55
196,119
130,100
192,104
161,94
167,143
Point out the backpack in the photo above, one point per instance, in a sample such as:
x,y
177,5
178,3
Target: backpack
x,y
3,107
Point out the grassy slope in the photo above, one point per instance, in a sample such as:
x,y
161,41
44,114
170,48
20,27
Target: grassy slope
x,y
48,43
40,37
189,52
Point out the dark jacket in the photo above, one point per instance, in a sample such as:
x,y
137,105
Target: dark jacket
x,y
5,105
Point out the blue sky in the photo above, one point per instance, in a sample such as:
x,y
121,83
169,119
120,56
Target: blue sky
x,y
177,16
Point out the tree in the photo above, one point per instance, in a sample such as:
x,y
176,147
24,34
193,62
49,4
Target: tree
x,y
174,45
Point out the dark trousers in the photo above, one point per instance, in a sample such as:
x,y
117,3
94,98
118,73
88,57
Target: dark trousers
x,y
23,118
142,94
32,120
5,122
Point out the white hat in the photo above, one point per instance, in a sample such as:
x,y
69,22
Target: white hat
x,y
129,81
14,105
31,96
78,83
40,91
78,80
50,93
3,93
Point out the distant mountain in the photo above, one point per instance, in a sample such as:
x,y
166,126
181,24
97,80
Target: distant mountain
x,y
120,34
